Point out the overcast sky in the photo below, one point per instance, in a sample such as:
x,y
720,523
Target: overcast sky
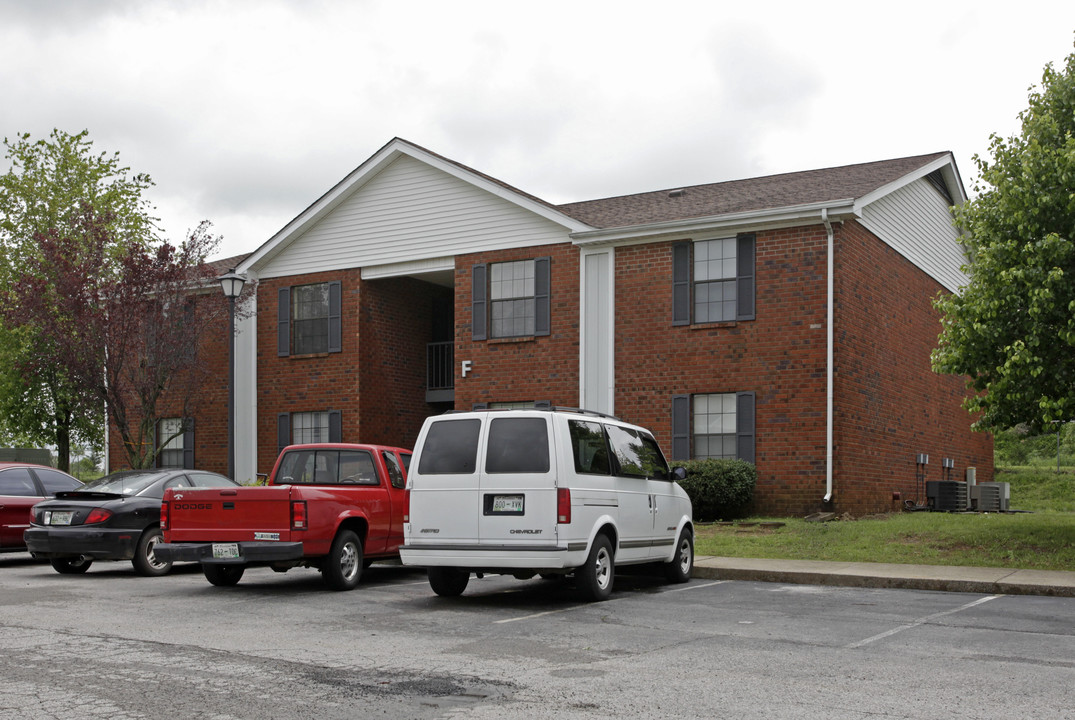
x,y
245,112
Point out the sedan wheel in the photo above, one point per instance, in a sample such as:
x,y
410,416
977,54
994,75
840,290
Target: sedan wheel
x,y
145,561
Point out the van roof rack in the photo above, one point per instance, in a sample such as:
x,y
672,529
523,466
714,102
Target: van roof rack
x,y
542,406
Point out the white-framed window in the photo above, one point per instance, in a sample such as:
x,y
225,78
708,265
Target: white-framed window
x,y
309,427
714,425
170,443
714,280
511,292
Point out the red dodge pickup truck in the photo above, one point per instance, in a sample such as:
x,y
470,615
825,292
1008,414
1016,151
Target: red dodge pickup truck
x,y
334,507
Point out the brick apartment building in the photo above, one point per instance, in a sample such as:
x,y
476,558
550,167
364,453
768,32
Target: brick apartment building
x,y
786,320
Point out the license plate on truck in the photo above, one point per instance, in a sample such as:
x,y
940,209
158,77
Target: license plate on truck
x,y
225,551
507,504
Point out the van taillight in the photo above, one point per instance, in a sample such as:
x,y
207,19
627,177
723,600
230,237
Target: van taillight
x,y
164,515
298,515
563,506
407,506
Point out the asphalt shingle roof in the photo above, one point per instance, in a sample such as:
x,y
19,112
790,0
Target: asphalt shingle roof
x,y
736,196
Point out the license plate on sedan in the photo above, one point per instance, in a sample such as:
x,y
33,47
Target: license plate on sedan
x,y
60,518
508,504
225,551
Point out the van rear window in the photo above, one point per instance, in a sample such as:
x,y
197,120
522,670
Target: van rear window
x,y
518,445
451,447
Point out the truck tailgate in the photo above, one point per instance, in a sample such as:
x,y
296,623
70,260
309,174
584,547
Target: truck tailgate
x,y
228,514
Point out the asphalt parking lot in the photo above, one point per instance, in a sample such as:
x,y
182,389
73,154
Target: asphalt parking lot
x,y
110,644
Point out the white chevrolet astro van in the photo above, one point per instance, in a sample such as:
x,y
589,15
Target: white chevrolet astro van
x,y
550,492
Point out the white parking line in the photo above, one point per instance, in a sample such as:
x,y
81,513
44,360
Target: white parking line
x,y
537,615
696,587
920,621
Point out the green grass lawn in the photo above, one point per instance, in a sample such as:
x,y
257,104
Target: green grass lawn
x,y
1043,538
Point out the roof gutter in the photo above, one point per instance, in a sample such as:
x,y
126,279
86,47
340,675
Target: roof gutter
x,y
829,339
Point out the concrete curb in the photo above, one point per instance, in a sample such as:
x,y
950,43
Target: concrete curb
x,y
990,581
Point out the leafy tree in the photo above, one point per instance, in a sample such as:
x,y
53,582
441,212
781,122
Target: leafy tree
x,y
45,188
124,330
1012,329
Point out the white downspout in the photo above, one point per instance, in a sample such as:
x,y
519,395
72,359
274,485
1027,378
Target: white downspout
x,y
828,359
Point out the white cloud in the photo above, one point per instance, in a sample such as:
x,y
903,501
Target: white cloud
x,y
245,112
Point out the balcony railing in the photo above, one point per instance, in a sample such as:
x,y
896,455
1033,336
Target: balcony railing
x,y
440,376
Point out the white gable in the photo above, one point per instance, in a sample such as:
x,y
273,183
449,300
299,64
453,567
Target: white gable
x,y
411,211
916,221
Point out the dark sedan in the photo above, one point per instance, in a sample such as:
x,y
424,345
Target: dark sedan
x,y
114,518
23,485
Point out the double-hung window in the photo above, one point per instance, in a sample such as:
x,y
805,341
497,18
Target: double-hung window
x,y
713,425
309,319
713,280
510,299
175,443
300,428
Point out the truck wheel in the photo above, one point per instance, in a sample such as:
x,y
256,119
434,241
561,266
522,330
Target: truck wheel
x,y
71,565
145,562
222,575
343,566
679,570
596,576
448,581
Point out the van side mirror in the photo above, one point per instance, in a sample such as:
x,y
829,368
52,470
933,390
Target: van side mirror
x,y
679,473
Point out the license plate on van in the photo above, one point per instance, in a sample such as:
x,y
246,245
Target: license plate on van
x,y
507,504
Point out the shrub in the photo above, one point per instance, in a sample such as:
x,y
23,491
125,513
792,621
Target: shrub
x,y
719,489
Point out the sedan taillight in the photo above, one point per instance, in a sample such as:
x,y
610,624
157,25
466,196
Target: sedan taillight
x,y
97,515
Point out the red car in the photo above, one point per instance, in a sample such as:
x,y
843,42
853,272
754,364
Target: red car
x,y
23,485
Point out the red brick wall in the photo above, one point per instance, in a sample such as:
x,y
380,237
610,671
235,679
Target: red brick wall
x,y
890,404
210,406
377,382
528,369
779,356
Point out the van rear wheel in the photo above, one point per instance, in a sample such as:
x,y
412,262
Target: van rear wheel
x,y
448,581
596,576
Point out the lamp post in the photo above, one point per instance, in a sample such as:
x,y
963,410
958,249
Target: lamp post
x,y
232,285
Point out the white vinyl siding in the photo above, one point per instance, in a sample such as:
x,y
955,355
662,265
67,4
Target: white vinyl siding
x,y
916,222
407,212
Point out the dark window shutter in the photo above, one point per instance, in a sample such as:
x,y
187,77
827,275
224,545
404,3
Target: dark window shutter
x,y
480,406
335,312
681,427
681,284
283,431
283,323
478,304
744,423
744,276
335,426
188,444
542,291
